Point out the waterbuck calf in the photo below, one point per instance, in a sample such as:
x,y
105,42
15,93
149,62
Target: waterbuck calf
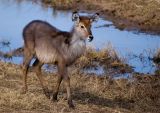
x,y
49,45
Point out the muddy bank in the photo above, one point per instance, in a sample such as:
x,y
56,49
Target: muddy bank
x,y
91,94
125,14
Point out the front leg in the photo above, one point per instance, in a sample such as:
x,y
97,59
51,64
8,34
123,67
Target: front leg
x,y
63,74
67,84
54,97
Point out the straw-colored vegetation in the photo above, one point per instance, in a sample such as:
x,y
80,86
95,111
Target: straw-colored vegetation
x,y
104,56
91,94
107,58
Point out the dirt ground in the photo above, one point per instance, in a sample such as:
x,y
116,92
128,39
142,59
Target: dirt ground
x,y
143,15
91,93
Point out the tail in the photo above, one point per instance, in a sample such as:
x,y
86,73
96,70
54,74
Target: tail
x,y
16,52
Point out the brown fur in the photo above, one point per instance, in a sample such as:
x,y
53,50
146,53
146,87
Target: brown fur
x,y
50,45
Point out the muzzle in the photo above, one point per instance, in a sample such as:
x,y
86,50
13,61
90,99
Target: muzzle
x,y
90,38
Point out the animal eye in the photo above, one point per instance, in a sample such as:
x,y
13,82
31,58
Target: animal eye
x,y
82,26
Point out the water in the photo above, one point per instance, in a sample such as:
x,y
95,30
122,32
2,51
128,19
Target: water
x,y
14,15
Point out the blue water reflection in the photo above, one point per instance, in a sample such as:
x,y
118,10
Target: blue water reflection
x,y
14,15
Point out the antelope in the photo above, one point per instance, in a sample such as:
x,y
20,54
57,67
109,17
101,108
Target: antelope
x,y
49,45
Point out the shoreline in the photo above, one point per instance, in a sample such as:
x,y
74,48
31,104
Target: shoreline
x,y
119,89
135,16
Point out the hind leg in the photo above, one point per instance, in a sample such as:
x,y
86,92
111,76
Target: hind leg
x,y
37,66
27,59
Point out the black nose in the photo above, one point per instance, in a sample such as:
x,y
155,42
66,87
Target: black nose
x,y
90,38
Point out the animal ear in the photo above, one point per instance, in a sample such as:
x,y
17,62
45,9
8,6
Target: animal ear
x,y
95,17
75,16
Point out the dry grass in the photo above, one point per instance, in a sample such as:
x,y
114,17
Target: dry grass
x,y
107,58
93,57
91,94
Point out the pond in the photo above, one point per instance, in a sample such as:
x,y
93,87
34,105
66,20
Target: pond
x,y
15,14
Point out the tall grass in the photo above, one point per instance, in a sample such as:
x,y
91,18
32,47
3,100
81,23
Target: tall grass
x,y
94,57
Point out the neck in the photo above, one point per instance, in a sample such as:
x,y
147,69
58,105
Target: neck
x,y
75,36
76,48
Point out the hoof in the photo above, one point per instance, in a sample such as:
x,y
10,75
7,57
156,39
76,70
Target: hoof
x,y
71,105
54,97
47,93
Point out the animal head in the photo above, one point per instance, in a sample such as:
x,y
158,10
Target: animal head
x,y
83,25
